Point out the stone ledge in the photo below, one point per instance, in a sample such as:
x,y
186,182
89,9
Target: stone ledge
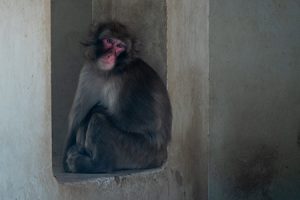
x,y
107,178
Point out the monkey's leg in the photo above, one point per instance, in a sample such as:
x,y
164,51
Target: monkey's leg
x,y
76,148
84,157
113,149
78,159
134,151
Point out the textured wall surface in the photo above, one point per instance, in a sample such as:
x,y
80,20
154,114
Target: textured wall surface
x,y
254,100
188,87
70,20
25,93
25,89
249,67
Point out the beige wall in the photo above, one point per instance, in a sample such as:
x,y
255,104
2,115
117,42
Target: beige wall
x,y
236,76
254,100
70,20
188,86
25,89
25,120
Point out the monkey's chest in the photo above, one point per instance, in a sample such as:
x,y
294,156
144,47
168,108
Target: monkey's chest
x,y
109,95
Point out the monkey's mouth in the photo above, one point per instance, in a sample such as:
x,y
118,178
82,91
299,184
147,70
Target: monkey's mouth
x,y
109,58
107,61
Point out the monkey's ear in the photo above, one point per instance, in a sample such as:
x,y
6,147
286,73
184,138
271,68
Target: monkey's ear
x,y
135,47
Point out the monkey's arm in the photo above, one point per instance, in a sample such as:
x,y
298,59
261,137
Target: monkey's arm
x,y
84,100
144,106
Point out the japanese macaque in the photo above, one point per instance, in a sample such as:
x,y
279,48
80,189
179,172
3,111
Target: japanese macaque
x,y
121,115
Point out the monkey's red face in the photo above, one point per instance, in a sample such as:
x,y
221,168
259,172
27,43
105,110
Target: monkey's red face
x,y
113,48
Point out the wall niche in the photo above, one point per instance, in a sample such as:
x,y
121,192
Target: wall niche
x,y
69,25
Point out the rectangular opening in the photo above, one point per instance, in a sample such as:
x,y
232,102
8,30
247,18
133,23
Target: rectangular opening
x,y
70,21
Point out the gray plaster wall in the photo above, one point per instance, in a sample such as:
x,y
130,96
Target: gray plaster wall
x,y
187,78
25,91
254,100
70,20
27,139
234,74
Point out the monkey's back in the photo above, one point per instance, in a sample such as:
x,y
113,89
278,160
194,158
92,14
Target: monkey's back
x,y
144,101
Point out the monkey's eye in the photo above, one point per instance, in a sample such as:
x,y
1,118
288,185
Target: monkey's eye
x,y
122,46
109,40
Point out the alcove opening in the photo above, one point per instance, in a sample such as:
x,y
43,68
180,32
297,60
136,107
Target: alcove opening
x,y
69,25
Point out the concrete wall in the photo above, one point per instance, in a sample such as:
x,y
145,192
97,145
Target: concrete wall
x,y
254,100
188,87
25,91
26,103
70,20
249,66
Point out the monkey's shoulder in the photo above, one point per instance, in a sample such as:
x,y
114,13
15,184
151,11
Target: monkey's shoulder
x,y
142,71
139,63
143,83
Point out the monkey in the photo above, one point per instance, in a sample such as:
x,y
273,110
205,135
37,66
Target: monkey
x,y
121,115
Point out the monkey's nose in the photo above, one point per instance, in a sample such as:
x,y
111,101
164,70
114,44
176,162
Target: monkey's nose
x,y
111,52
